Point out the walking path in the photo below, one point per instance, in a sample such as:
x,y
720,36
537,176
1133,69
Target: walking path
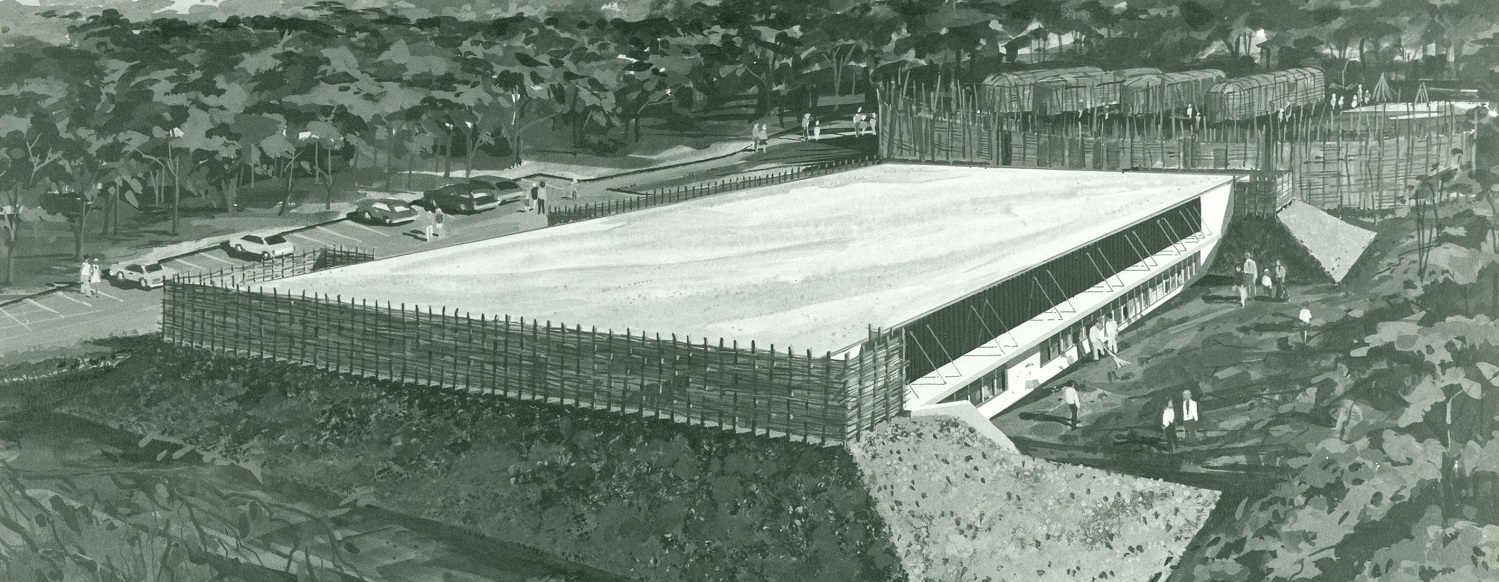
x,y
1244,366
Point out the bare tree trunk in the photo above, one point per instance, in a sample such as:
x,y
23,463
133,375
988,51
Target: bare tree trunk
x,y
473,147
447,155
176,189
79,230
328,199
291,180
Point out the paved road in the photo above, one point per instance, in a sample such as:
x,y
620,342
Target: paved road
x,y
65,317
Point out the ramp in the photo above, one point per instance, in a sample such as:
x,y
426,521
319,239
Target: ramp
x,y
1334,245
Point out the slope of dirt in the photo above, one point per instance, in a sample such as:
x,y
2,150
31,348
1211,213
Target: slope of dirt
x,y
1336,245
960,508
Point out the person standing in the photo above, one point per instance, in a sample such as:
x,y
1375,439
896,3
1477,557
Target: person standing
x,y
535,194
1168,425
764,136
754,136
95,277
816,130
1074,405
439,222
1111,334
85,278
859,122
1097,340
573,191
806,126
1281,293
872,121
1189,415
1248,271
429,226
541,198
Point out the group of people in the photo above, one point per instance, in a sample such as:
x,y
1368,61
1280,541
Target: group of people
x,y
1252,282
760,133
1186,420
90,275
863,123
1103,340
436,223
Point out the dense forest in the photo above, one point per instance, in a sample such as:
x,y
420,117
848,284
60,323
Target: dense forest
x,y
105,103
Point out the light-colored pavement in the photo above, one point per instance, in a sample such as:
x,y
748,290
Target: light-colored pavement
x,y
65,317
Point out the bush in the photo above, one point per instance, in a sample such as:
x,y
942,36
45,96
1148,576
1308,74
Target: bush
x,y
961,509
637,497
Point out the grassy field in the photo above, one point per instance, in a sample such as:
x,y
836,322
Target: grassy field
x,y
807,264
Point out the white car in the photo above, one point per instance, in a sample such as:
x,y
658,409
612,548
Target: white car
x,y
266,247
143,275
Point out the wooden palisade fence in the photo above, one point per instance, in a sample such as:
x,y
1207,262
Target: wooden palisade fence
x,y
764,390
1364,161
300,263
664,196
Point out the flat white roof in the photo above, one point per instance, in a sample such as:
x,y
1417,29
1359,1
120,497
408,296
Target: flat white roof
x,y
807,264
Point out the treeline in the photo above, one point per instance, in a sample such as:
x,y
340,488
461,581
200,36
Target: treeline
x,y
129,109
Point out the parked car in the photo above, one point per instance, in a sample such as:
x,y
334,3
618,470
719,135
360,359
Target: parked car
x,y
266,247
468,197
506,191
143,275
386,211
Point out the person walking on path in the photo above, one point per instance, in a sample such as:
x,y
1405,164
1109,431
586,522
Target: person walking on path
x,y
1305,317
754,136
541,198
806,126
1074,405
439,221
573,191
764,136
872,121
1281,293
429,226
817,130
1168,425
1189,415
859,122
85,278
531,201
95,277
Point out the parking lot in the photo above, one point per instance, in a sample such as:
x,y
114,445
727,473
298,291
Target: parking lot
x,y
65,316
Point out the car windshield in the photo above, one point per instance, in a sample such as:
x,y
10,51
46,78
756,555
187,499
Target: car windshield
x,y
153,267
276,240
